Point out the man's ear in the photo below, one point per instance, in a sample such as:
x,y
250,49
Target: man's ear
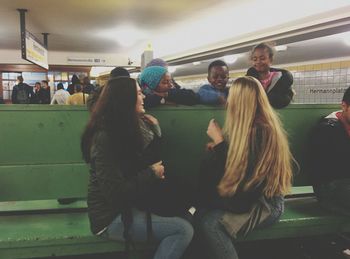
x,y
344,106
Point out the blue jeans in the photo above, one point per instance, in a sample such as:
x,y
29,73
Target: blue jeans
x,y
334,196
173,233
217,241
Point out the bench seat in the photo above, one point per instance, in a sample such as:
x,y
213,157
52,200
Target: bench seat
x,y
67,233
50,234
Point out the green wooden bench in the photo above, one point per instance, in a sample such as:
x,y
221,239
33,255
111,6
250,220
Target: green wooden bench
x,y
40,161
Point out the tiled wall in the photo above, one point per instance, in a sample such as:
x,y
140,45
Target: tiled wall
x,y
313,83
321,83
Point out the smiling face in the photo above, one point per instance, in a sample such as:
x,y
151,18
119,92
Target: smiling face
x,y
218,77
139,101
165,84
261,60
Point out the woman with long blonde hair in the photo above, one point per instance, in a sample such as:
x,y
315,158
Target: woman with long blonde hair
x,y
248,170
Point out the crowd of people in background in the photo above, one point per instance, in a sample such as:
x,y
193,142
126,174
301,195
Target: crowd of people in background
x,y
77,92
159,87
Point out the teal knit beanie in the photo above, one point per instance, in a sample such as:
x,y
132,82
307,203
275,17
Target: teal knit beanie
x,y
150,78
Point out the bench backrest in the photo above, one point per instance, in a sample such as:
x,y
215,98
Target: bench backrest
x,y
40,154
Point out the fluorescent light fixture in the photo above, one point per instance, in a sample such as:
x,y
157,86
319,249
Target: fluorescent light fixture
x,y
97,71
347,41
230,59
172,69
135,75
126,34
281,48
196,63
346,38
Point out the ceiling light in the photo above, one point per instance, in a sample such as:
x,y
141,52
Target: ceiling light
x,y
126,34
281,48
196,63
230,59
346,39
97,71
172,69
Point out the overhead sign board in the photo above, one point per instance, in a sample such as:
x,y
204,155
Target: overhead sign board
x,y
34,51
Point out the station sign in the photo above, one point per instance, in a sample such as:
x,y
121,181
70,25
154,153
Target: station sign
x,y
33,51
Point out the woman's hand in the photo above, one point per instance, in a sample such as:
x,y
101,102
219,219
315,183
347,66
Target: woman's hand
x,y
214,132
158,169
210,146
150,119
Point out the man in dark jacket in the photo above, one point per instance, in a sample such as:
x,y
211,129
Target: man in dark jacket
x,y
46,94
330,150
21,93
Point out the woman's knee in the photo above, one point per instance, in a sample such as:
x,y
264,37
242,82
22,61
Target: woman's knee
x,y
185,229
172,226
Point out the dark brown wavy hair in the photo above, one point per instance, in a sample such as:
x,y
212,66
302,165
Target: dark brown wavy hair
x,y
115,113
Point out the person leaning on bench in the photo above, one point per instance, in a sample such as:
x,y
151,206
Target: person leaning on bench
x,y
121,144
216,91
329,159
276,82
247,172
157,85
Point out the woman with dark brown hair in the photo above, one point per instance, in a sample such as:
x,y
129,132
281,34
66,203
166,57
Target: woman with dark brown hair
x,y
121,144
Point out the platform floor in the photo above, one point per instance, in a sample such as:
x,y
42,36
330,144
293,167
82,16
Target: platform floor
x,y
325,247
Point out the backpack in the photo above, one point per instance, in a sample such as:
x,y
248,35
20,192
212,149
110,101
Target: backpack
x,y
22,95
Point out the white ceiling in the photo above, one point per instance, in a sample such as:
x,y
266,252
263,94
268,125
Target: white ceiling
x,y
182,28
76,25
336,47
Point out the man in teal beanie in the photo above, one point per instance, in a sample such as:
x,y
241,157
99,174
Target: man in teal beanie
x,y
151,77
156,84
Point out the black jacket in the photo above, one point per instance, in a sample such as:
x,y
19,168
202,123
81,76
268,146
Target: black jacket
x,y
329,152
22,93
175,95
281,94
211,172
116,186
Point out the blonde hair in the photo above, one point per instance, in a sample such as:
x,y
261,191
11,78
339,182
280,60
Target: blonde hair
x,y
254,133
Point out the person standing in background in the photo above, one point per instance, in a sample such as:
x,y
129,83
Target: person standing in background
x,y
36,99
78,98
75,80
87,86
21,93
46,94
61,95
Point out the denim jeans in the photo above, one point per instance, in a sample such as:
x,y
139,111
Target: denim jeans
x,y
173,233
214,237
334,196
